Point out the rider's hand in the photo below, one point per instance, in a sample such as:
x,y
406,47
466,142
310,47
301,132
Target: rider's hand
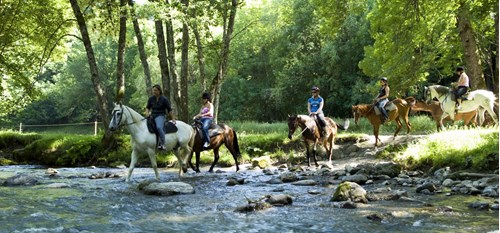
x,y
172,121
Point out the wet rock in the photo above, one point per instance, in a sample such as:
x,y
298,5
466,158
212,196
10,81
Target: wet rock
x,y
494,207
305,183
288,177
402,214
490,191
448,183
430,187
20,180
268,171
478,205
359,179
445,209
314,192
58,185
279,200
252,207
389,169
376,217
102,175
349,191
168,188
261,162
345,205
275,181
231,182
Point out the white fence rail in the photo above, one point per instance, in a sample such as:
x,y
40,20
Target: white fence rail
x,y
42,128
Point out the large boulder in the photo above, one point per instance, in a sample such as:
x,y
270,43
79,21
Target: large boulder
x,y
20,180
349,191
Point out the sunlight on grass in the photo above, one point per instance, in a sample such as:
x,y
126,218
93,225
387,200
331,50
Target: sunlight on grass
x,y
473,148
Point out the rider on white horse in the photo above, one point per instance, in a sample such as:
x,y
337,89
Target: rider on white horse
x,y
462,86
157,104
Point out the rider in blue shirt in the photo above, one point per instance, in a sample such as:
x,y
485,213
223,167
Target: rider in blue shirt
x,y
315,108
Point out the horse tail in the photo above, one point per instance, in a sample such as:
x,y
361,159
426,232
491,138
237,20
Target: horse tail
x,y
236,145
345,126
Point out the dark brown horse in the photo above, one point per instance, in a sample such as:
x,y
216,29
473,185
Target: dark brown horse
x,y
223,135
402,109
311,134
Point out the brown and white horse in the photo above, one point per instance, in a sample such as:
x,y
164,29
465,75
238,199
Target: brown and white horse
x,y
311,134
368,111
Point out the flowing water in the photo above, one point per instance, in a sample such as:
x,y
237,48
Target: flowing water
x,y
111,205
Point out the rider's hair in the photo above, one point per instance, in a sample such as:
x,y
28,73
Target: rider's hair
x,y
159,88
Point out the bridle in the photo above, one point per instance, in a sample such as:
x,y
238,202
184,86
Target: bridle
x,y
296,125
121,115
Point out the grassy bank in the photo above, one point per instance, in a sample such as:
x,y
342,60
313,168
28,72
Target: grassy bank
x,y
466,149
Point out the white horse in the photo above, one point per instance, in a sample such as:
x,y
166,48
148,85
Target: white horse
x,y
144,141
480,100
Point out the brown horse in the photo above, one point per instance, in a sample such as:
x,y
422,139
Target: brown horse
x,y
223,135
368,110
434,108
311,134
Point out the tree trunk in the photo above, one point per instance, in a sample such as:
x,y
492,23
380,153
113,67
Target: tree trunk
x,y
200,56
108,140
471,53
142,51
496,58
174,85
183,104
162,56
120,66
228,28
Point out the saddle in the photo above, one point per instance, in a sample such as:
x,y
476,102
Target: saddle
x,y
463,97
388,107
168,127
214,130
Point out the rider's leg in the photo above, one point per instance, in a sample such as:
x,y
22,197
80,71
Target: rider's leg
x,y
206,124
322,123
380,106
160,121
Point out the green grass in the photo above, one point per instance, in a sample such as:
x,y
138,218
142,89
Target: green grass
x,y
473,149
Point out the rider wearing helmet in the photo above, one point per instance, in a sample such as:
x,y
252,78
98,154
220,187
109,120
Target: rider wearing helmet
x,y
462,86
381,99
315,108
207,115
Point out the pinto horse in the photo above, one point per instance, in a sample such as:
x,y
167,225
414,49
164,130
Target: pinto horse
x,y
311,134
226,136
368,110
434,108
144,141
481,100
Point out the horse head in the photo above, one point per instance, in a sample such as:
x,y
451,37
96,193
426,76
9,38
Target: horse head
x,y
293,123
117,115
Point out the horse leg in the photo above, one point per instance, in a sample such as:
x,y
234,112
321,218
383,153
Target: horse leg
x,y
375,132
489,109
314,153
133,161
307,154
233,152
399,126
216,159
152,158
330,150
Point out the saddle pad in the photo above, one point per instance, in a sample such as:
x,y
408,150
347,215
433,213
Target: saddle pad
x,y
388,107
169,127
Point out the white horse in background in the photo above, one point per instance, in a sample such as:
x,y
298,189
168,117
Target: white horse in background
x,y
481,100
144,141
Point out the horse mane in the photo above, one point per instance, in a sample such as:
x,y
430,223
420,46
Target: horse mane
x,y
441,90
135,115
363,108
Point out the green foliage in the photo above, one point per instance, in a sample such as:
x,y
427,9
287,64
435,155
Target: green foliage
x,y
15,139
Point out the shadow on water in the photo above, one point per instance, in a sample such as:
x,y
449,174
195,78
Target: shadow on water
x,y
110,205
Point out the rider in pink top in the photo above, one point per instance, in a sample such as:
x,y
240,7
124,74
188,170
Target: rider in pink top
x,y
206,114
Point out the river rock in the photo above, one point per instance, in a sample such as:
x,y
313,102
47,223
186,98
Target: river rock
x,y
261,162
58,185
19,180
478,205
279,200
251,207
349,191
288,177
168,188
305,183
359,179
427,186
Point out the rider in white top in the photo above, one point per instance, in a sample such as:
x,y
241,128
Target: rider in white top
x,y
462,86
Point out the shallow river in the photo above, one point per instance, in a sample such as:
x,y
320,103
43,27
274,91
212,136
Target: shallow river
x,y
111,205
